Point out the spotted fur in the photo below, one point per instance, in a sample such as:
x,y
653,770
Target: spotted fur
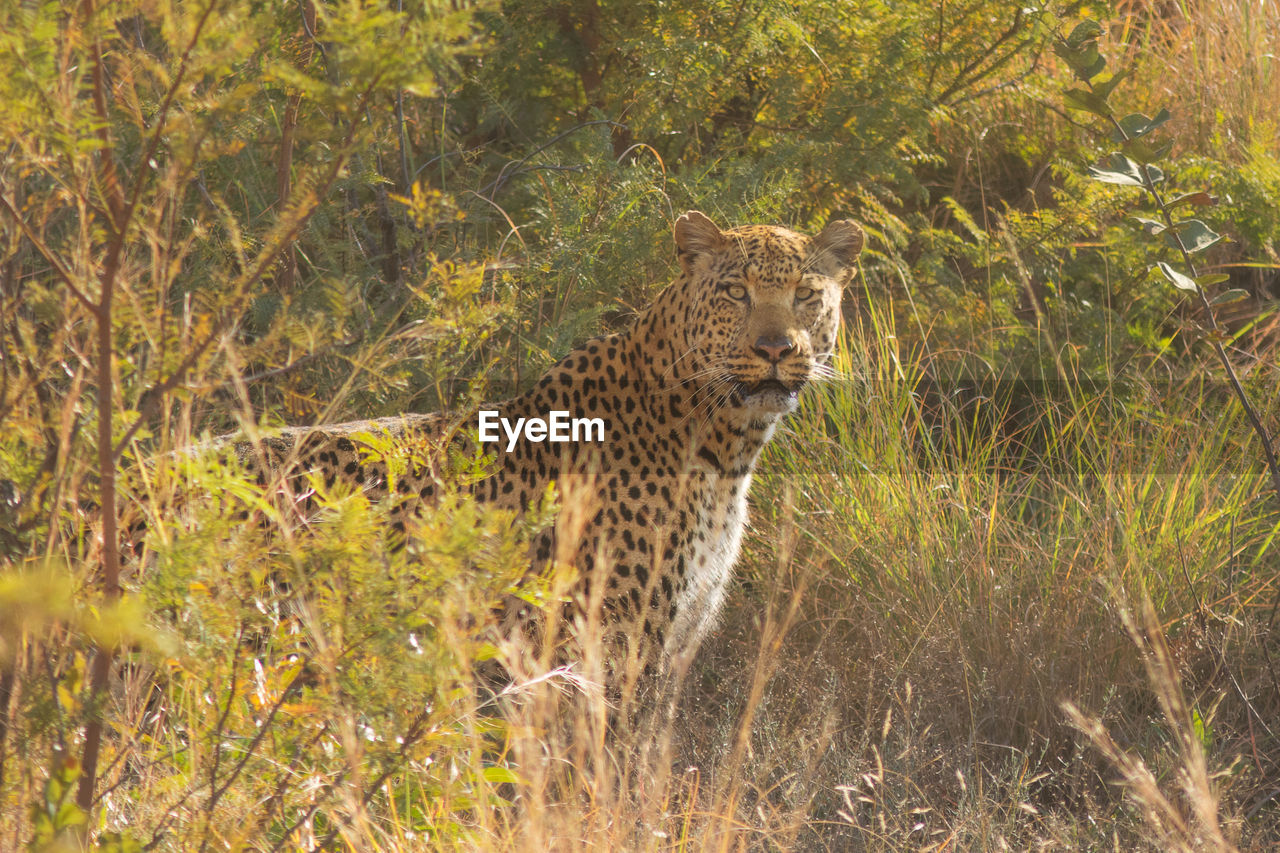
x,y
654,514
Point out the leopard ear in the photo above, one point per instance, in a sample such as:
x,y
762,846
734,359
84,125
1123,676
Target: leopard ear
x,y
696,234
839,244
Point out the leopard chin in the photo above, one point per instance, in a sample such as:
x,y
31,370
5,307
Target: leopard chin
x,y
770,396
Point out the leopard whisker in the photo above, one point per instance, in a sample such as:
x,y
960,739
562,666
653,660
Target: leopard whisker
x,y
824,372
713,400
714,370
666,374
718,403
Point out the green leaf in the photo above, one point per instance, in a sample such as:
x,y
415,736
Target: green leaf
x,y
1086,101
500,775
1080,50
1120,170
1194,234
1084,31
1144,152
1136,125
1203,730
69,814
1226,297
118,842
1151,226
1113,177
1180,281
1106,87
1154,173
1088,63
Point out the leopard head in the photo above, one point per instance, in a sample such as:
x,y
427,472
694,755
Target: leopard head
x,y
763,307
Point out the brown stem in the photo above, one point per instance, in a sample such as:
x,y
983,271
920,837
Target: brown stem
x,y
7,674
117,227
284,186
406,172
390,246
119,216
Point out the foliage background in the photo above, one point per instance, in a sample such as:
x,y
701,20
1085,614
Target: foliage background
x,y
319,211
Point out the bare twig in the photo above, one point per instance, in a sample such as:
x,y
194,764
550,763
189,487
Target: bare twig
x,y
264,727
284,166
48,254
973,71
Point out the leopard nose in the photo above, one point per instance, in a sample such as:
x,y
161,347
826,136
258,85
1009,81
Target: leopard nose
x,y
774,348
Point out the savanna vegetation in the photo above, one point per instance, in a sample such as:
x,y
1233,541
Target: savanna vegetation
x,y
1012,582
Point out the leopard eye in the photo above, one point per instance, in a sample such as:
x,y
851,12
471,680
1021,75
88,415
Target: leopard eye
x,y
737,291
803,293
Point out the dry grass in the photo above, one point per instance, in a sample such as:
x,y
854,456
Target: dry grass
x,y
1216,66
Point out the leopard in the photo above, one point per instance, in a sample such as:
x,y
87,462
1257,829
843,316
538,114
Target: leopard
x,y
688,397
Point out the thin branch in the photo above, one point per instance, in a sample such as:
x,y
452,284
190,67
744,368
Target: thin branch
x,y
417,728
153,144
282,784
117,225
216,764
970,74
492,188
264,727
401,135
1216,337
48,254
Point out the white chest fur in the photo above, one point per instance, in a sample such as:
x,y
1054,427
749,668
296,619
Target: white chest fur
x,y
721,512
